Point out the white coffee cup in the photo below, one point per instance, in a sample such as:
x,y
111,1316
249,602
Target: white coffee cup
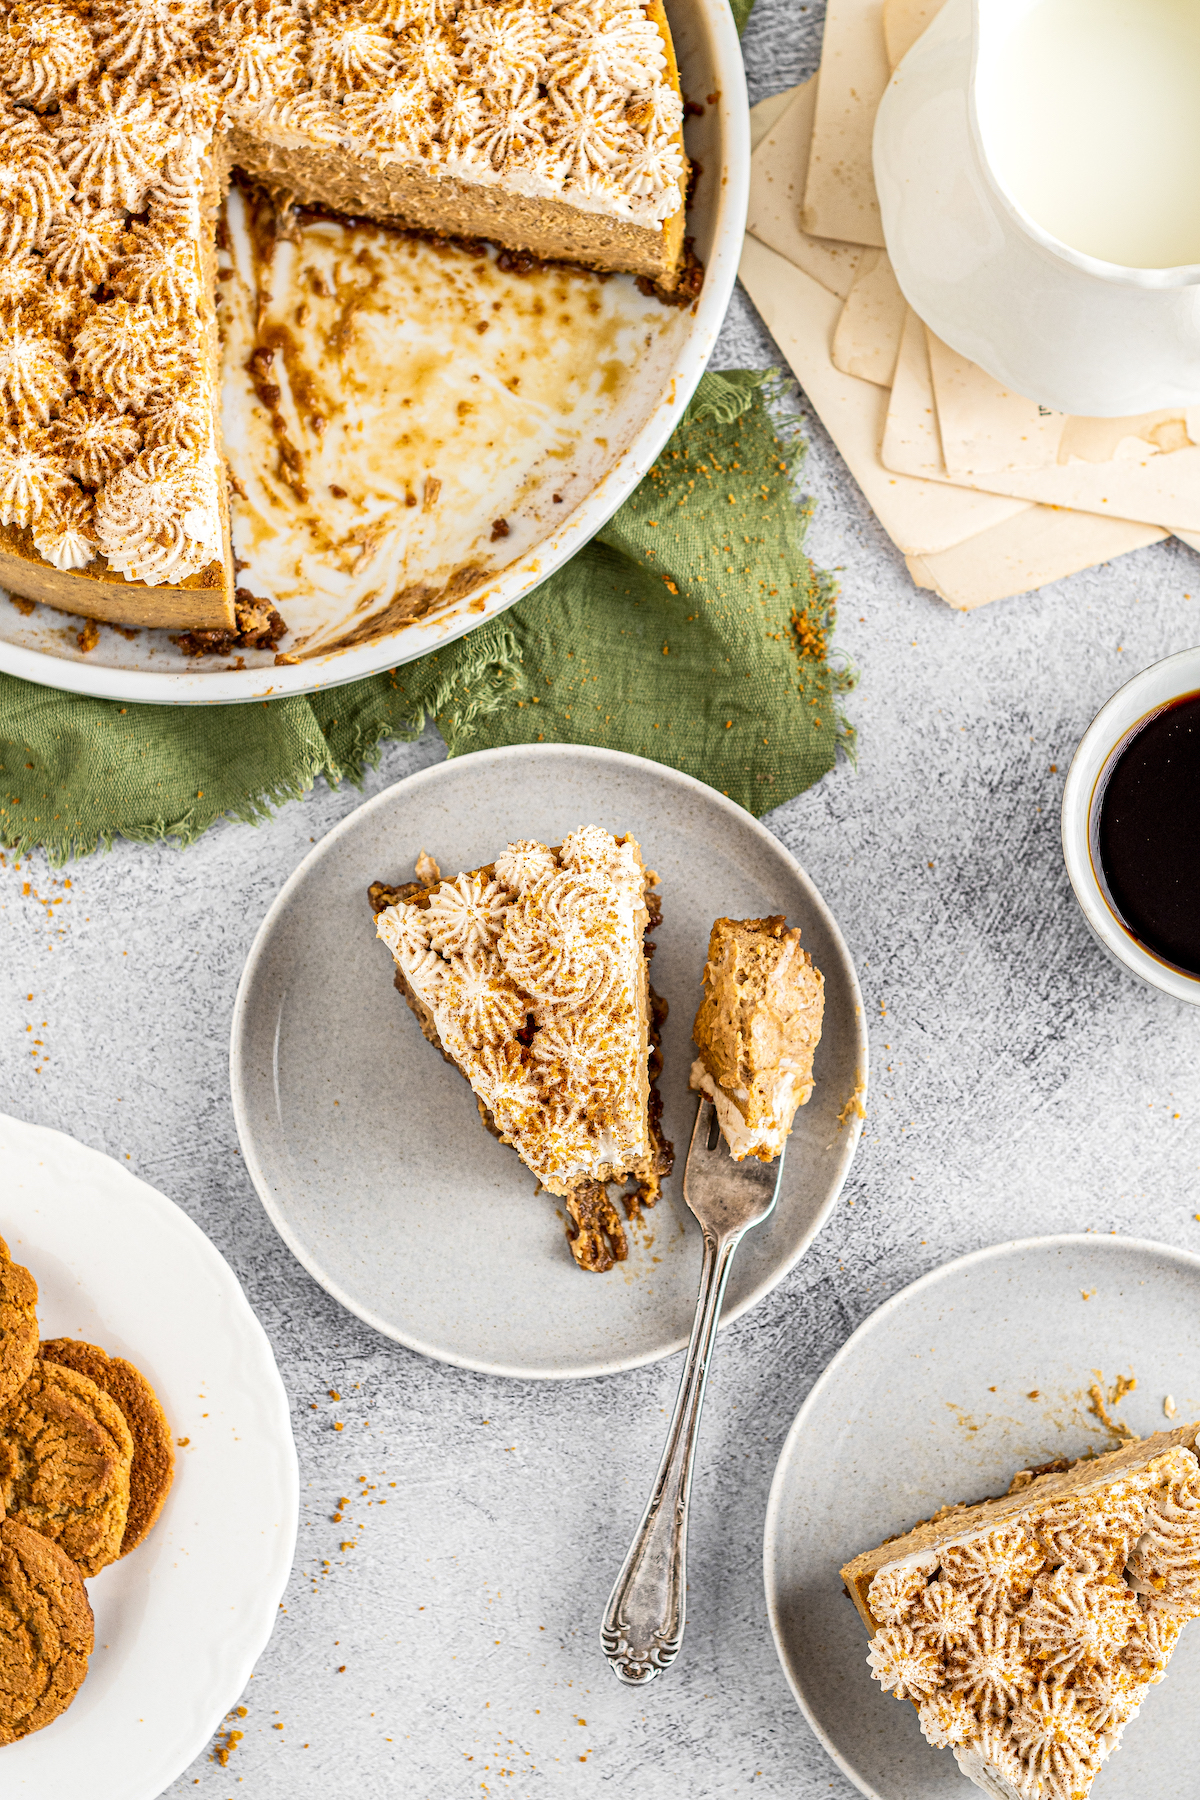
x,y
1108,732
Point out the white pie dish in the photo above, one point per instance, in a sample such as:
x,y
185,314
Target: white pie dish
x,y
978,1369
1153,688
181,1621
366,1148
644,410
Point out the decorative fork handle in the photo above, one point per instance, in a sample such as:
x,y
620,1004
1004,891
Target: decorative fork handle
x,y
644,1619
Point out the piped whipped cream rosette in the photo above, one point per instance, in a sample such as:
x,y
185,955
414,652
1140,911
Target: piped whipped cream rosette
x,y
161,514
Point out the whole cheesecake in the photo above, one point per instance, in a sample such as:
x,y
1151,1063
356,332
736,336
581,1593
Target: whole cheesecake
x,y
550,128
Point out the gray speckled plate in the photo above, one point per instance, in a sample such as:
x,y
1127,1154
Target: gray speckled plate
x,y
366,1148
929,1402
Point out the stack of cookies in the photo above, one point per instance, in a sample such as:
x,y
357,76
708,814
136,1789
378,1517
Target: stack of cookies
x,y
85,1466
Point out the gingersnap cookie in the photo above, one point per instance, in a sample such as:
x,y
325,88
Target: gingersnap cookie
x,y
65,1456
153,1468
46,1631
18,1324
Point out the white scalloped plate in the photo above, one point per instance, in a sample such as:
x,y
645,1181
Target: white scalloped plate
x,y
928,1403
627,422
181,1620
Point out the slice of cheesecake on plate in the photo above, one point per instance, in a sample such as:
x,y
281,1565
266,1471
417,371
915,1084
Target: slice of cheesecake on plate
x,y
530,975
757,1031
1027,1629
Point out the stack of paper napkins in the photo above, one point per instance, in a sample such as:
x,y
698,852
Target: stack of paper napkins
x,y
986,493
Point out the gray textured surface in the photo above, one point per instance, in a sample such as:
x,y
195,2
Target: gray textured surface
x,y
1021,1085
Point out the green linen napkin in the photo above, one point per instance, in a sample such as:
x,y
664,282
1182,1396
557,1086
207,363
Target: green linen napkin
x,y
692,630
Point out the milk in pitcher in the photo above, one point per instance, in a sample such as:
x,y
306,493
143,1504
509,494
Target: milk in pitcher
x,y
1090,114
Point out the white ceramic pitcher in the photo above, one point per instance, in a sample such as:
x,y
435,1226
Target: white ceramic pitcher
x,y
1063,328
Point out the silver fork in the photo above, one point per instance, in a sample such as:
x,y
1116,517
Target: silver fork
x,y
644,1619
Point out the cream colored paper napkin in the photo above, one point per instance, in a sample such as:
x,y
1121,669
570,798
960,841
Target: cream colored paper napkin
x,y
912,443
764,115
919,438
993,545
904,21
866,342
779,169
966,552
986,429
1039,546
922,517
864,40
839,194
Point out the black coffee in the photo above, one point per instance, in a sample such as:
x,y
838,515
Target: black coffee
x,y
1149,834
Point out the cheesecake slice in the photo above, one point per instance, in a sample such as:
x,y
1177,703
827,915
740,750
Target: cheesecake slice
x,y
554,129
1026,1630
757,1031
530,975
